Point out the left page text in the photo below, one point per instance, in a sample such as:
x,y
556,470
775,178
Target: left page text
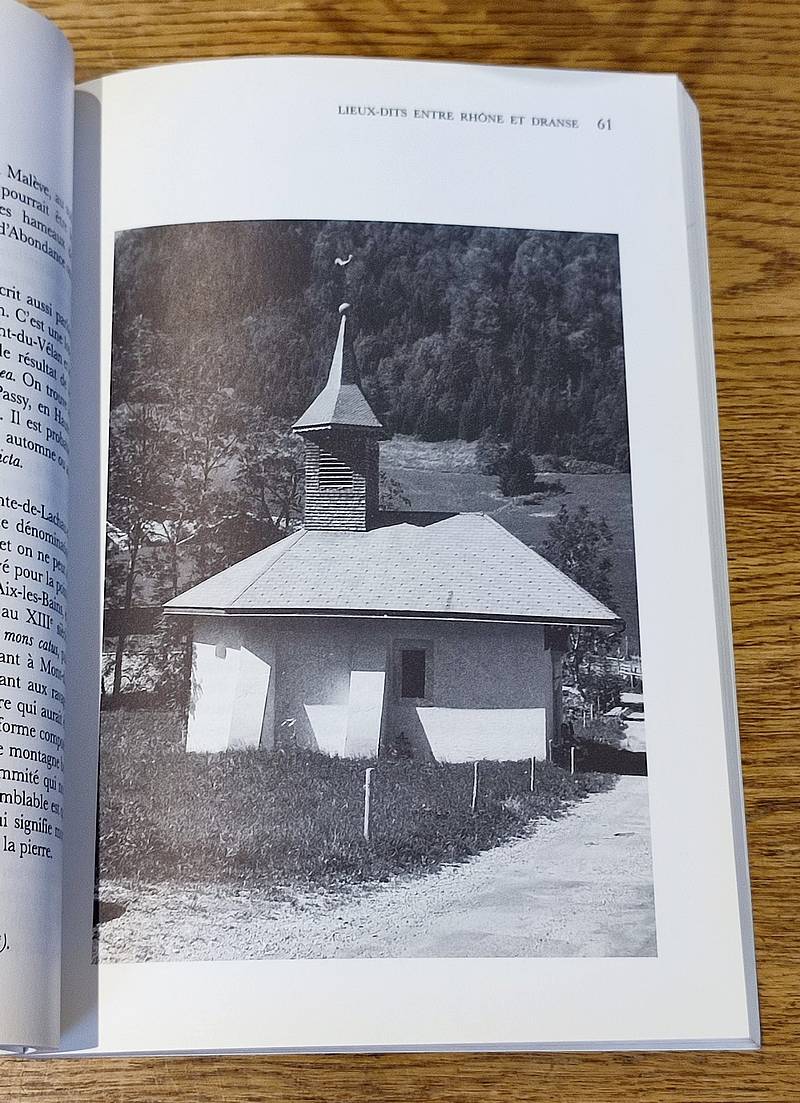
x,y
36,107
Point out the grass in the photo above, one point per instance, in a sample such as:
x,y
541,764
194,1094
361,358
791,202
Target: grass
x,y
460,455
445,455
291,820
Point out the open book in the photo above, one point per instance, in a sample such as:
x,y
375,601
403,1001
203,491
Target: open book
x,y
361,517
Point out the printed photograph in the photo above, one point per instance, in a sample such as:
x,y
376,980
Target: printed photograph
x,y
371,683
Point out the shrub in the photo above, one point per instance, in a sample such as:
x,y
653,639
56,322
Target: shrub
x,y
516,472
604,729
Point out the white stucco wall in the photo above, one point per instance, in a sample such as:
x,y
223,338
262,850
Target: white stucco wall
x,y
490,691
232,695
464,735
332,684
214,678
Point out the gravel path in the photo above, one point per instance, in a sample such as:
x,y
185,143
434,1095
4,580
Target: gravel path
x,y
577,886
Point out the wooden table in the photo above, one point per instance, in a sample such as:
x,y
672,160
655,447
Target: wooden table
x,y
741,63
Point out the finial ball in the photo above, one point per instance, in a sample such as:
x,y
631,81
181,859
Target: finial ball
x,y
344,308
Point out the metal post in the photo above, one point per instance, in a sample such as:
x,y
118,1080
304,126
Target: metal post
x,y
367,800
533,773
474,785
572,760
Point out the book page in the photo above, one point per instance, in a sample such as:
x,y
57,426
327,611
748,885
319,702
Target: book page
x,y
402,441
36,93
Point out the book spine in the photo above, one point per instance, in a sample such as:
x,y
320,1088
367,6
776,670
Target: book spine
x,y
36,91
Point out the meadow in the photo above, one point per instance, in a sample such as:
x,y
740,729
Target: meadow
x,y
288,820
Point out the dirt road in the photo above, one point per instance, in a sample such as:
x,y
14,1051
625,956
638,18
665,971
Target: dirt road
x,y
577,886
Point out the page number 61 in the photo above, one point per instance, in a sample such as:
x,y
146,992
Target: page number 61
x,y
604,124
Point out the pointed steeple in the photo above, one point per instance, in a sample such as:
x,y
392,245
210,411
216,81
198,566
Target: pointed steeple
x,y
341,435
341,401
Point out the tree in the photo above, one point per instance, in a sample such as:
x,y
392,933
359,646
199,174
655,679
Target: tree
x,y
488,451
512,464
170,442
391,494
516,472
579,545
457,329
209,434
270,480
141,451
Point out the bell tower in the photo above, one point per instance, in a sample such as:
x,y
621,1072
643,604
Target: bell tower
x,y
340,433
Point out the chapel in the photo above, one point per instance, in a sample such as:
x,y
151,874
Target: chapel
x,y
370,632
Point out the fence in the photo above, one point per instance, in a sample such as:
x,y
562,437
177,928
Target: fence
x,y
490,781
299,817
592,755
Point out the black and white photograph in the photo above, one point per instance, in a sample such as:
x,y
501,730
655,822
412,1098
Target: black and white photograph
x,y
372,681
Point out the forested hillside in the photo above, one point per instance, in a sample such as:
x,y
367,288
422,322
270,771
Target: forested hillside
x,y
456,329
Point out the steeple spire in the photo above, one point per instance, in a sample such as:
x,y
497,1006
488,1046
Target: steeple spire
x,y
341,401
341,434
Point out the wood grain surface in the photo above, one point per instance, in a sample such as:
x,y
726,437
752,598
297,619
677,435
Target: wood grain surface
x,y
741,62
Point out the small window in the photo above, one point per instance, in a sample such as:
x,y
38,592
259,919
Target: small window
x,y
412,673
220,651
333,471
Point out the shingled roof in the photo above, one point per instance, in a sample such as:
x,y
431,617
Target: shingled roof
x,y
467,566
341,401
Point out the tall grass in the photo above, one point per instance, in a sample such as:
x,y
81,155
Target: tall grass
x,y
289,820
